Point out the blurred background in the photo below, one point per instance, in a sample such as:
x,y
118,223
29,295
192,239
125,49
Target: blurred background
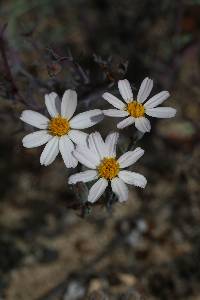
x,y
51,247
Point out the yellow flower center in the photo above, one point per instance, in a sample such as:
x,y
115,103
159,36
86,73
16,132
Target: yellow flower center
x,y
135,109
59,126
109,168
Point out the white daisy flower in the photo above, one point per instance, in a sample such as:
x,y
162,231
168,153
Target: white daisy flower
x,y
133,109
100,158
61,131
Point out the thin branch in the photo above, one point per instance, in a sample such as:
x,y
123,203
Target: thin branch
x,y
70,59
8,74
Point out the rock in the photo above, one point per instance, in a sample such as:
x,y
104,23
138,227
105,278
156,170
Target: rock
x,y
127,279
75,291
97,284
98,295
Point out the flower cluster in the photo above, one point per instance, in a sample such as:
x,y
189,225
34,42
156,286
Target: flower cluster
x,y
62,132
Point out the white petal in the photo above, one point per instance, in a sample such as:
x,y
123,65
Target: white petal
x,y
85,176
157,99
115,113
35,119
133,178
145,89
111,143
86,157
161,112
130,157
36,139
86,119
114,101
53,104
97,145
50,152
142,124
125,90
120,189
68,104
66,147
78,137
126,122
97,190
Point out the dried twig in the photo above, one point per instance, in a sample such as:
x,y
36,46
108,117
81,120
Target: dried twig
x,y
8,73
70,59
